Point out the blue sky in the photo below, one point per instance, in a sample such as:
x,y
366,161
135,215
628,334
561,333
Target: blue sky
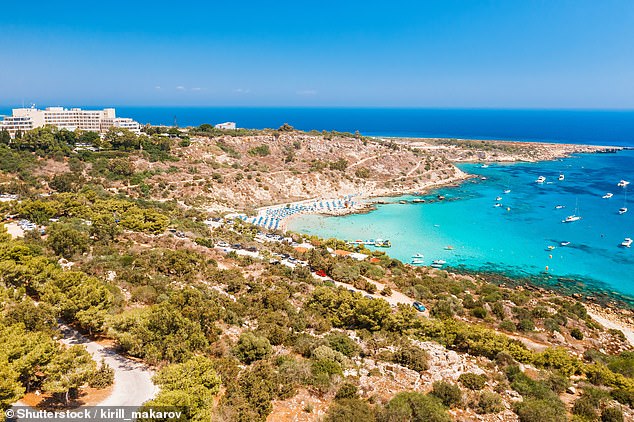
x,y
446,53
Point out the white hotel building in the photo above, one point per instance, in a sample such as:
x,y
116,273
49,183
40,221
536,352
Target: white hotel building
x,y
100,121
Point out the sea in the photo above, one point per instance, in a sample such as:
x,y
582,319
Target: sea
x,y
523,237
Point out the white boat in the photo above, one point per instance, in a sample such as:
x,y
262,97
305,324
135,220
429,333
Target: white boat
x,y
571,219
499,198
561,177
483,178
418,255
417,262
627,242
622,210
540,179
497,205
607,195
507,191
438,263
484,166
623,183
558,207
574,217
566,243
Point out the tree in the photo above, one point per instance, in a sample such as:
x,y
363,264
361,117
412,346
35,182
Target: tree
x,y
251,348
11,389
67,241
350,409
449,394
189,386
69,370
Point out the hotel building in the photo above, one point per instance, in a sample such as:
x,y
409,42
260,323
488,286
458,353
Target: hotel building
x,y
100,121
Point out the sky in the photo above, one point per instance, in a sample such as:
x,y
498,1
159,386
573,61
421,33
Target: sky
x,y
445,54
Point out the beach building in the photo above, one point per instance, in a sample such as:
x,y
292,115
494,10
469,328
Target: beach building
x,y
226,125
25,119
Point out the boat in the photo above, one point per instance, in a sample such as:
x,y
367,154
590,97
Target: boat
x,y
507,191
607,195
402,202
627,242
499,198
497,205
418,255
417,262
540,179
418,201
558,207
449,248
441,197
623,183
623,209
562,177
571,219
574,217
438,263
484,166
380,243
566,243
550,247
483,178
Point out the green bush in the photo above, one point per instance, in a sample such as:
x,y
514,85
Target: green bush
x,y
412,406
347,391
102,377
536,410
449,394
412,357
353,410
251,348
612,414
576,334
489,402
260,151
479,312
508,325
472,381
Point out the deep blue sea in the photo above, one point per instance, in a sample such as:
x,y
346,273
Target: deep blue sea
x,y
577,126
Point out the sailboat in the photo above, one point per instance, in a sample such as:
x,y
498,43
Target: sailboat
x,y
623,209
574,217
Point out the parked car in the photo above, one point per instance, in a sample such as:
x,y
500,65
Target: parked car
x,y
419,306
321,273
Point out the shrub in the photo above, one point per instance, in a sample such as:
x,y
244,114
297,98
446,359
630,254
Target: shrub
x,y
347,391
102,377
535,410
576,334
489,402
343,344
260,151
350,410
508,325
612,414
526,324
412,406
449,394
251,348
472,381
362,172
412,357
479,312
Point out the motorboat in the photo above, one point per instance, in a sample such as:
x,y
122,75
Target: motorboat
x,y
607,195
565,243
507,191
483,178
499,198
418,255
484,166
550,247
561,177
438,263
540,179
498,205
382,243
627,242
558,207
623,183
449,248
622,210
417,262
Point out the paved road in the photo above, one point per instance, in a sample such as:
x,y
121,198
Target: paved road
x,y
132,380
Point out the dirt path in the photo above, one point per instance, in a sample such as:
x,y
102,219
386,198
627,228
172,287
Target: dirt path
x,y
607,323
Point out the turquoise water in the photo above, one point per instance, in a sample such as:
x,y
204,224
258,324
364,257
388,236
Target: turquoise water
x,y
514,242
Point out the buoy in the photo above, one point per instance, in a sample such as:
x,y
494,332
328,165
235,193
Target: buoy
x,y
546,267
508,208
550,256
